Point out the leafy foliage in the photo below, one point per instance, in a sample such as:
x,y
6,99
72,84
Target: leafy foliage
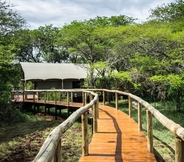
x,y
10,21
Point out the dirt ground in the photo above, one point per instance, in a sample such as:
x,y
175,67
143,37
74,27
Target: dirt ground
x,y
30,145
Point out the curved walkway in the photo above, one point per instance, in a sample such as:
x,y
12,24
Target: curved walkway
x,y
117,139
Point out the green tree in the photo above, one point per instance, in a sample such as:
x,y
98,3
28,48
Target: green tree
x,y
10,21
84,41
172,13
45,38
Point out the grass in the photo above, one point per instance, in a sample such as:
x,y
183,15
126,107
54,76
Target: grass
x,y
21,141
164,140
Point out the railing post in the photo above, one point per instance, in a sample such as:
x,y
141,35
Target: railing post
x,y
85,95
45,97
58,155
95,128
103,92
48,94
83,99
149,131
92,109
179,152
130,106
139,116
85,150
97,109
23,95
55,97
68,101
71,96
116,94
60,96
34,97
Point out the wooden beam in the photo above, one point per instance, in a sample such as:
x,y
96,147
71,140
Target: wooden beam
x,y
130,106
149,131
68,98
83,98
116,94
179,152
85,151
45,96
103,92
95,127
139,116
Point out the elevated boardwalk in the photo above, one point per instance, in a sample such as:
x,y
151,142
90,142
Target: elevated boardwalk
x,y
117,139
59,105
116,136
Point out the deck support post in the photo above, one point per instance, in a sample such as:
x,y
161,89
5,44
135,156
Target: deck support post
x,y
116,94
85,150
130,106
149,131
139,117
179,152
103,92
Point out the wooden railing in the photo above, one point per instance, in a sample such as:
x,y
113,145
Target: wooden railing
x,y
51,148
176,129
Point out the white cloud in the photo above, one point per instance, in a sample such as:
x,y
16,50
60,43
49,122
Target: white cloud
x,y
59,12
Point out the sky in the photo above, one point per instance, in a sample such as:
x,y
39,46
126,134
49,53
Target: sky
x,y
60,12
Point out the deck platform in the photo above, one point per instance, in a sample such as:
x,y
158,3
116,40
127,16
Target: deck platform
x,y
59,105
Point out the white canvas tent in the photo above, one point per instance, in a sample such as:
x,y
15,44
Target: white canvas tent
x,y
58,75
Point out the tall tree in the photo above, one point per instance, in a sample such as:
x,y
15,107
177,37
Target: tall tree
x,y
172,13
45,38
10,21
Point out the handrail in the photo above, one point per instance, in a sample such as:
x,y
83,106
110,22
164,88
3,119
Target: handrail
x,y
51,148
51,143
176,129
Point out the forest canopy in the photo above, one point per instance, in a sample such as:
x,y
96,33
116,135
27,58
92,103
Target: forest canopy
x,y
147,58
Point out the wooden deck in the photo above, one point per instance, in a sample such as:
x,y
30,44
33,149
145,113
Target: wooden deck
x,y
117,139
27,103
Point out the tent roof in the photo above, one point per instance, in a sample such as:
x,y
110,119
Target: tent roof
x,y
45,71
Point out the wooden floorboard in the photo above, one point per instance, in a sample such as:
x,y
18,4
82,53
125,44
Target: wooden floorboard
x,y
117,139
